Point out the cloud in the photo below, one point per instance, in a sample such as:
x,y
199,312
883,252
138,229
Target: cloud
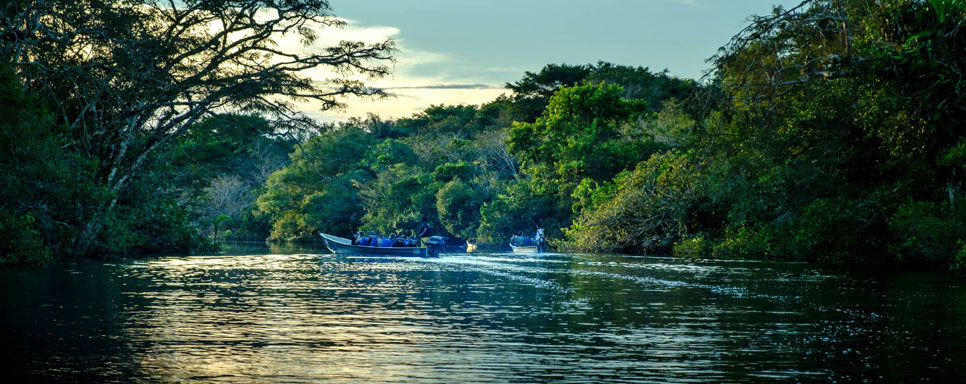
x,y
406,102
419,79
447,86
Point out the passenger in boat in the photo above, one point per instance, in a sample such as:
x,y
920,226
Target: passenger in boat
x,y
538,238
423,230
357,238
385,242
412,241
373,239
513,239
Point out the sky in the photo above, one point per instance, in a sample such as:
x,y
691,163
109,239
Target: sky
x,y
463,52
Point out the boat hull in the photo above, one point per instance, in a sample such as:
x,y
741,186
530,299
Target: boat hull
x,y
343,246
527,249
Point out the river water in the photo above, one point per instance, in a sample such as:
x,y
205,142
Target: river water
x,y
284,315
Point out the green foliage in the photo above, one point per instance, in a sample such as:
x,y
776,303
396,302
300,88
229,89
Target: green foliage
x,y
216,168
946,8
588,134
238,176
393,206
959,260
221,143
692,247
440,120
21,242
755,241
652,207
835,229
220,222
458,206
333,209
318,190
585,137
590,194
520,207
453,171
389,153
142,96
385,176
929,233
637,83
47,189
532,93
581,135
831,126
157,225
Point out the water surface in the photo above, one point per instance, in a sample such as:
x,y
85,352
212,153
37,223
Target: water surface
x,y
277,315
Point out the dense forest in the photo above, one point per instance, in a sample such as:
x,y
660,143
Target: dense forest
x,y
829,132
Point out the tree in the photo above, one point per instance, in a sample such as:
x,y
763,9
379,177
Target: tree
x,y
654,88
227,196
46,190
459,208
650,208
842,134
587,132
319,189
532,93
127,77
215,167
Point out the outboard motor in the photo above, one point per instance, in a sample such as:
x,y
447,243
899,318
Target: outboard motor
x,y
434,245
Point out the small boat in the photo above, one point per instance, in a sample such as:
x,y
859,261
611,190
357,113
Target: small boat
x,y
343,246
525,249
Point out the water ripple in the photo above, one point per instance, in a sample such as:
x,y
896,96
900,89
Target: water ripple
x,y
472,318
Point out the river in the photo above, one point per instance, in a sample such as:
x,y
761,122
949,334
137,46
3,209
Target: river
x,y
258,315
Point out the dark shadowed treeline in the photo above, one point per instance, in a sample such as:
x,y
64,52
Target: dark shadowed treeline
x,y
838,138
101,95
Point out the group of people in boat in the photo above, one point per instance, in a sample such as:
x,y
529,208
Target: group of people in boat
x,y
374,239
519,240
379,240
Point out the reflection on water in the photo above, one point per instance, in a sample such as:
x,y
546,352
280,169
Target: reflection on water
x,y
298,315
